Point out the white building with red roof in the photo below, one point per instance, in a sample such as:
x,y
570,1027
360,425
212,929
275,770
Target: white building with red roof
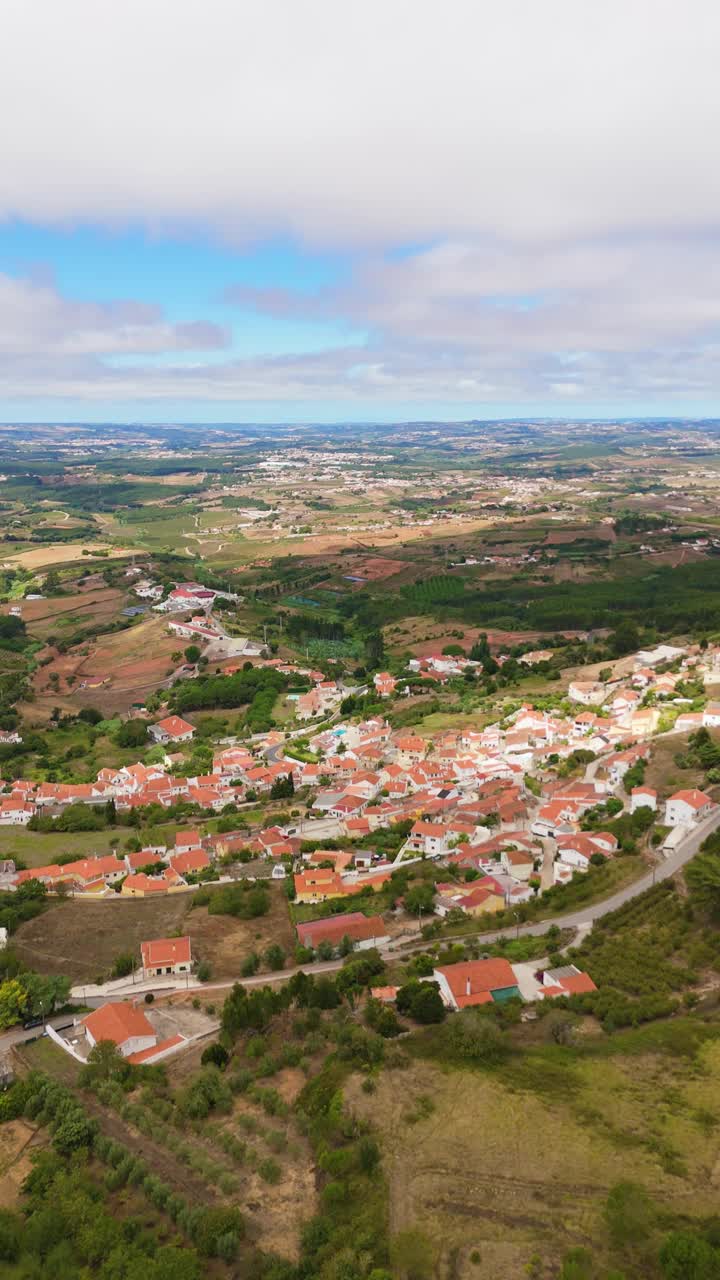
x,y
172,729
685,807
123,1024
163,956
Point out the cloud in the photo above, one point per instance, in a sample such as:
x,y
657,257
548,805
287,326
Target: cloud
x,y
36,320
364,124
552,163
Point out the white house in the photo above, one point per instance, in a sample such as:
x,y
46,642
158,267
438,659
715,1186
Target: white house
x,y
642,798
685,807
172,729
430,838
589,692
165,956
15,811
122,1023
711,715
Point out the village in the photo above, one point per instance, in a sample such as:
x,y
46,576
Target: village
x,y
501,814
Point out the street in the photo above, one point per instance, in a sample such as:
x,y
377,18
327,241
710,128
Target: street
x,y
574,919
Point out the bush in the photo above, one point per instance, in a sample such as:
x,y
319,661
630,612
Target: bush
x,y
476,1037
215,1055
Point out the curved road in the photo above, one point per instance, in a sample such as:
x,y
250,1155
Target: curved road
x,y
574,919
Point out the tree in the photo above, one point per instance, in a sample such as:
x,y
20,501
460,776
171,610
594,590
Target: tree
x,y
123,964
475,1036
215,1225
13,1000
577,1265
686,1256
133,733
560,1026
412,1256
703,879
192,653
215,1055
275,957
420,898
90,715
374,650
625,638
75,1130
628,1214
104,1062
421,1001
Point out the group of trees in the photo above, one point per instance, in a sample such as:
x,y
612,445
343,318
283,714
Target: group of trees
x,y
67,1228
226,691
244,899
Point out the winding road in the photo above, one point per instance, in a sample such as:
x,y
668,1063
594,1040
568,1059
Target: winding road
x,y
685,851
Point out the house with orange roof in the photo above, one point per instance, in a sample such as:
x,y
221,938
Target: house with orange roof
x,y
363,931
410,749
141,885
384,684
567,980
318,885
172,729
189,862
685,807
643,797
123,1024
16,810
475,982
163,956
518,863
430,838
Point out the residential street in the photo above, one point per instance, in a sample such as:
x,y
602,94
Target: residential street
x,y
574,919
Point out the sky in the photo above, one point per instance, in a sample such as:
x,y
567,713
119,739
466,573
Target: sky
x,y
319,210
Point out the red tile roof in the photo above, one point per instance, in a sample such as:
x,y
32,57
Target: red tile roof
x,y
117,1022
165,951
354,925
472,982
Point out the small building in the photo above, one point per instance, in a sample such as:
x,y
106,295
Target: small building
x,y
476,982
642,798
363,931
165,956
172,729
685,807
123,1024
567,980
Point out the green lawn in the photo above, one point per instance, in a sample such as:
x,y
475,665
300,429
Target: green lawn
x,y
38,849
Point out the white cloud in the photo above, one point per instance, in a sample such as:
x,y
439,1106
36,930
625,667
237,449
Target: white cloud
x,y
363,123
36,320
557,157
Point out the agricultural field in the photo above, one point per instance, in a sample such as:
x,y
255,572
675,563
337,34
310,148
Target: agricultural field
x,y
83,939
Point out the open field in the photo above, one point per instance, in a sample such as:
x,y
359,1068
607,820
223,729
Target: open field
x,y
83,938
517,1161
110,673
61,553
18,1141
42,848
423,635
51,616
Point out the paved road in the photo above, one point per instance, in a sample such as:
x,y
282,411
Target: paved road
x,y
574,919
663,871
